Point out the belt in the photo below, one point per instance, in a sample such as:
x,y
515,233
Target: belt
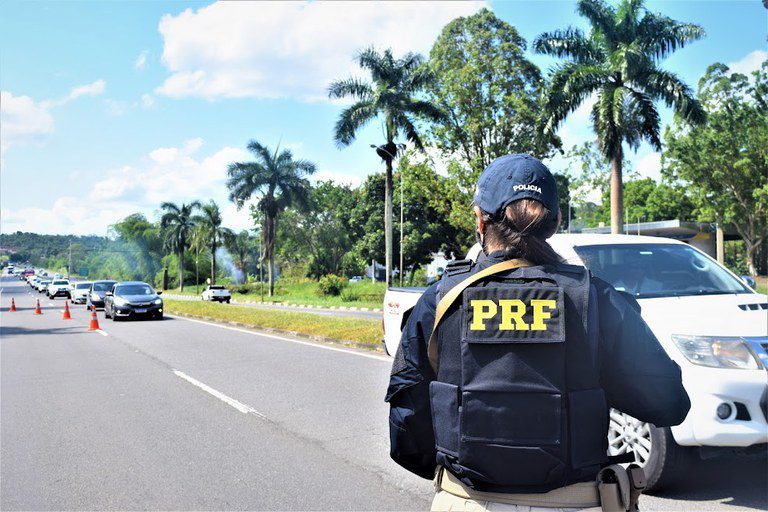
x,y
579,495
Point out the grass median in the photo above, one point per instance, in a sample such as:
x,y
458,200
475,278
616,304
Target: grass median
x,y
355,330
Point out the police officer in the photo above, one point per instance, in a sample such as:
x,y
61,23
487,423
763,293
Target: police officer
x,y
507,368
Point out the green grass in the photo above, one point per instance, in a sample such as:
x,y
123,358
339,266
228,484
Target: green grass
x,y
369,295
365,332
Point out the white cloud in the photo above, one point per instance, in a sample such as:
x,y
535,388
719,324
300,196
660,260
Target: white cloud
x,y
147,101
178,174
23,120
751,62
115,107
141,60
649,166
289,49
93,89
337,177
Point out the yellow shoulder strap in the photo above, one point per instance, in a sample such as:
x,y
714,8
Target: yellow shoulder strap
x,y
454,293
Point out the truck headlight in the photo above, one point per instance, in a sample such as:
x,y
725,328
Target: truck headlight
x,y
717,351
158,301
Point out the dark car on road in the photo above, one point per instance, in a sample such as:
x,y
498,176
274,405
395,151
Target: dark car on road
x,y
131,299
97,293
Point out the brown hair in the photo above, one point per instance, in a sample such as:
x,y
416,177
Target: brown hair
x,y
524,228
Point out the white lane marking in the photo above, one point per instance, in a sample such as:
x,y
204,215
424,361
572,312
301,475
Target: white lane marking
x,y
50,303
307,343
245,409
103,333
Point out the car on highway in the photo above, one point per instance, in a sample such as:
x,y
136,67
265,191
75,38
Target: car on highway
x,y
217,292
28,272
706,318
97,292
131,299
79,291
58,288
355,279
42,284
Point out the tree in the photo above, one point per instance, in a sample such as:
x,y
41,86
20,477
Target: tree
x,y
240,247
725,163
619,63
392,95
281,182
213,232
489,91
177,223
198,243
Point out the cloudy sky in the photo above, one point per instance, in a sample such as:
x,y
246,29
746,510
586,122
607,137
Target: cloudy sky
x,y
108,108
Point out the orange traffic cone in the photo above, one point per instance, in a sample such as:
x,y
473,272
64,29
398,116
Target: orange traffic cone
x,y
38,311
94,321
13,306
66,315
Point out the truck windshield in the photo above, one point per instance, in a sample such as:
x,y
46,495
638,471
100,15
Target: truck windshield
x,y
658,270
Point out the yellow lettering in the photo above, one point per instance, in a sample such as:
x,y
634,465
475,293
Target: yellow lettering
x,y
482,310
512,309
539,315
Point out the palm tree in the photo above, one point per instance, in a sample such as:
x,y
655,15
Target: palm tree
x,y
197,243
392,96
619,62
213,232
281,182
177,223
240,248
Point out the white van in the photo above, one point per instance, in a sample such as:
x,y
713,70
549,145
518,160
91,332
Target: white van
x,y
707,319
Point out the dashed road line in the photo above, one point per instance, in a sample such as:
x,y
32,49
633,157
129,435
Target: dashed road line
x,y
245,409
307,343
103,333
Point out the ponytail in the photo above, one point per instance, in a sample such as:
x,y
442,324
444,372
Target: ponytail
x,y
524,229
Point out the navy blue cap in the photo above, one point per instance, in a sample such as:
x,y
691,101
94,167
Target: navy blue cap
x,y
513,177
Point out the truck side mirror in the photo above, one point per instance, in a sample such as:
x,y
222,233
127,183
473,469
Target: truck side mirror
x,y
749,281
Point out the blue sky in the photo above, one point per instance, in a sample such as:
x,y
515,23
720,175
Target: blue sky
x,y
109,108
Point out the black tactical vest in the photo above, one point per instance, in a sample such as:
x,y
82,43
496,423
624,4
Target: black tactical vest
x,y
517,404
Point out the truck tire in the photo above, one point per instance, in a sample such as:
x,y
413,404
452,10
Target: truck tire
x,y
228,301
654,447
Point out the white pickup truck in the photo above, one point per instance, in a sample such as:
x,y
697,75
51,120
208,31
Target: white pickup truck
x,y
216,292
707,319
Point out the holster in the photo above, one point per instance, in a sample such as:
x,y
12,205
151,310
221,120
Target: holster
x,y
620,488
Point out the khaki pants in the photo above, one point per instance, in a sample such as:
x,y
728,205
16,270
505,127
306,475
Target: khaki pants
x,y
453,496
445,501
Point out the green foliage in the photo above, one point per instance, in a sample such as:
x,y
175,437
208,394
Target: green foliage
x,y
618,62
725,162
490,91
331,285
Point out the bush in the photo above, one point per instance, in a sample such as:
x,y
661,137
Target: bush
x,y
331,285
350,296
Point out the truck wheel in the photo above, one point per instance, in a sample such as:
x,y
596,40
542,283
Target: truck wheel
x,y
655,449
228,301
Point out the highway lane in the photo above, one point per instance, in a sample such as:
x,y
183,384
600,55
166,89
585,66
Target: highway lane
x,y
103,422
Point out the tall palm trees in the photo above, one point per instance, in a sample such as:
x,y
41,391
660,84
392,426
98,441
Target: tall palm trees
x,y
177,223
240,247
391,95
211,230
280,179
618,61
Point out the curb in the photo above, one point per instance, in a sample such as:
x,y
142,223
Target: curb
x,y
287,305
296,334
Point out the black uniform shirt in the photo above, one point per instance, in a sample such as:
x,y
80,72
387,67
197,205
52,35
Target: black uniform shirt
x,y
636,374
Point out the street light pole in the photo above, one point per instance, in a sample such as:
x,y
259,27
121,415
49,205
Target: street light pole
x,y
402,183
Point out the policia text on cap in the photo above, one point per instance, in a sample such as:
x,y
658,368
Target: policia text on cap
x,y
507,368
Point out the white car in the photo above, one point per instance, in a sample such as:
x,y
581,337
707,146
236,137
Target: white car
x,y
216,292
79,291
707,320
41,285
58,288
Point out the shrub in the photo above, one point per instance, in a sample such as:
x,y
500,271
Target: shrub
x,y
331,285
350,296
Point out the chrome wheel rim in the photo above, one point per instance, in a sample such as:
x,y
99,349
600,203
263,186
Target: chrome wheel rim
x,y
629,435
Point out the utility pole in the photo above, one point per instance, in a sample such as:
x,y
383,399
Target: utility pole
x,y
69,266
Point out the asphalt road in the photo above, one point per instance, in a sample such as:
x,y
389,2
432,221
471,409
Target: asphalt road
x,y
179,414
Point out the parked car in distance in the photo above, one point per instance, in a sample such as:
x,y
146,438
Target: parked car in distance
x,y
58,288
97,292
217,292
42,284
131,299
79,291
706,319
355,279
